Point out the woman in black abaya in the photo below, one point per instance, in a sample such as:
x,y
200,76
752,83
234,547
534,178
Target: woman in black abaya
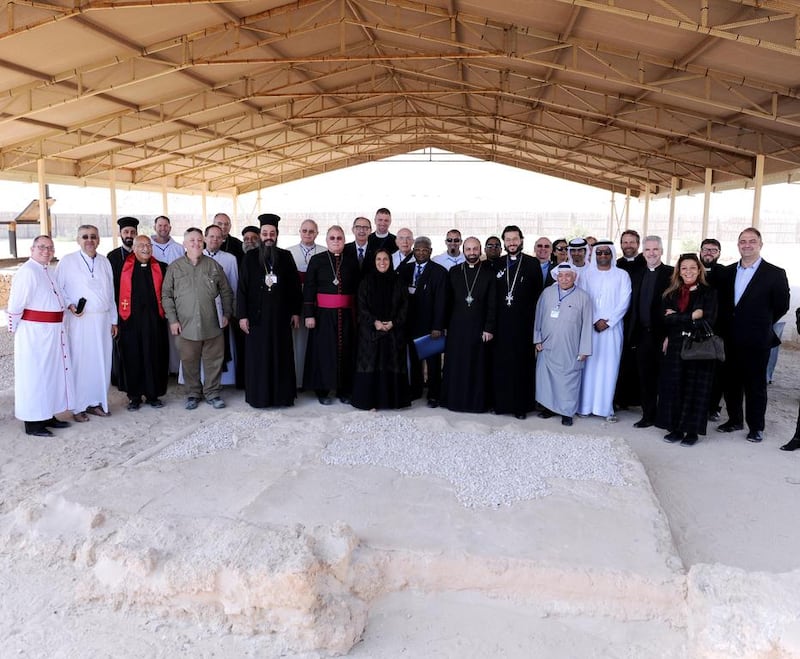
x,y
381,377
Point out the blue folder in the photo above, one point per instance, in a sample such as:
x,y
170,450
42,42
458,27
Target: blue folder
x,y
427,347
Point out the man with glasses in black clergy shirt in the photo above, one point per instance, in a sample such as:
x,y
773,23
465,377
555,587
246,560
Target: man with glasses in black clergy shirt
x,y
453,255
492,249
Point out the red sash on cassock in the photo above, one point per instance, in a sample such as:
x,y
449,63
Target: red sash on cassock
x,y
125,285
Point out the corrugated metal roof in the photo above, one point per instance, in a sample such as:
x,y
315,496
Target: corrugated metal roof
x,y
234,96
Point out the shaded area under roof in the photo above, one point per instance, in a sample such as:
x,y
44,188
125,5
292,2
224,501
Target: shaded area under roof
x,y
235,96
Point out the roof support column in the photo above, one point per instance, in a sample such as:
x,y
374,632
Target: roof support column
x,y
706,203
759,184
44,219
646,220
612,217
164,200
112,191
204,211
235,203
673,193
627,223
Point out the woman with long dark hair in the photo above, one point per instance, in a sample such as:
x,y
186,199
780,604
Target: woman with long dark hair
x,y
381,377
685,386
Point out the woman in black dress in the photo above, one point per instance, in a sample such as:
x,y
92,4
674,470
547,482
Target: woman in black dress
x,y
381,378
685,386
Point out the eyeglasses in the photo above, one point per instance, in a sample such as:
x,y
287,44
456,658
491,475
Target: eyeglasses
x,y
492,245
542,246
145,247
603,252
452,240
86,236
710,250
361,226
45,248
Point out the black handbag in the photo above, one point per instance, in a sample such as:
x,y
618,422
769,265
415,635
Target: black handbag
x,y
701,344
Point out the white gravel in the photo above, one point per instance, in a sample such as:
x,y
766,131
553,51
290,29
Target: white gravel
x,y
493,469
216,436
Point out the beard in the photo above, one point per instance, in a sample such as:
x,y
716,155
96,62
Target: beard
x,y
513,250
472,259
128,243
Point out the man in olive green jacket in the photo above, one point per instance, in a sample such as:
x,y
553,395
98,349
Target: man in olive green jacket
x,y
198,303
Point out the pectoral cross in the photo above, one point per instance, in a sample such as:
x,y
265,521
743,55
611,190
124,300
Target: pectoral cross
x,y
124,304
509,299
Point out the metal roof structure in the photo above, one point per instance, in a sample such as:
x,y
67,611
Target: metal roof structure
x,y
233,96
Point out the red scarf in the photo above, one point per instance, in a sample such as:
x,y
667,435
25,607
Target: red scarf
x,y
125,285
683,297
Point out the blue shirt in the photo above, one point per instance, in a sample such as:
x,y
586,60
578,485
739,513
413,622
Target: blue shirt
x,y
743,277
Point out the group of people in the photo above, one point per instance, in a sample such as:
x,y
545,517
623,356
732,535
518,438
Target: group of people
x,y
379,321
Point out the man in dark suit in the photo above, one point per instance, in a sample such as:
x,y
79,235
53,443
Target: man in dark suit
x,y
427,308
543,250
647,329
753,296
360,249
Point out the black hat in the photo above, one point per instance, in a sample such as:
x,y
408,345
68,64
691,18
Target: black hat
x,y
250,229
127,222
269,218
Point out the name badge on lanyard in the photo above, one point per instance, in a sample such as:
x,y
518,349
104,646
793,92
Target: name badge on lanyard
x,y
555,311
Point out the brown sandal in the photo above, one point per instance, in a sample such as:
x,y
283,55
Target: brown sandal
x,y
80,417
96,410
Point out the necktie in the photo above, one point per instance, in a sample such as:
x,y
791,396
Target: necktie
x,y
419,272
360,254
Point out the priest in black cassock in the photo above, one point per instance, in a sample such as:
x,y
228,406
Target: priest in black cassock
x,y
519,284
269,303
471,325
329,312
142,342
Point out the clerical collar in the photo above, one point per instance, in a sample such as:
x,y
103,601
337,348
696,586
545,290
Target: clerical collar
x,y
378,235
629,258
653,269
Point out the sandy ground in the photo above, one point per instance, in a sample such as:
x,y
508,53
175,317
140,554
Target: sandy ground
x,y
224,533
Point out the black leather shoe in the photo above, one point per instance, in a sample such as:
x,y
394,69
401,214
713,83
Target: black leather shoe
x,y
673,436
325,400
521,417
41,432
52,422
792,445
545,414
755,436
134,404
643,423
729,426
566,420
345,400
690,439
155,402
432,402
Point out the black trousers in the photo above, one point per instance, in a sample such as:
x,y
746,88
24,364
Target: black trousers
x,y
746,385
648,365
